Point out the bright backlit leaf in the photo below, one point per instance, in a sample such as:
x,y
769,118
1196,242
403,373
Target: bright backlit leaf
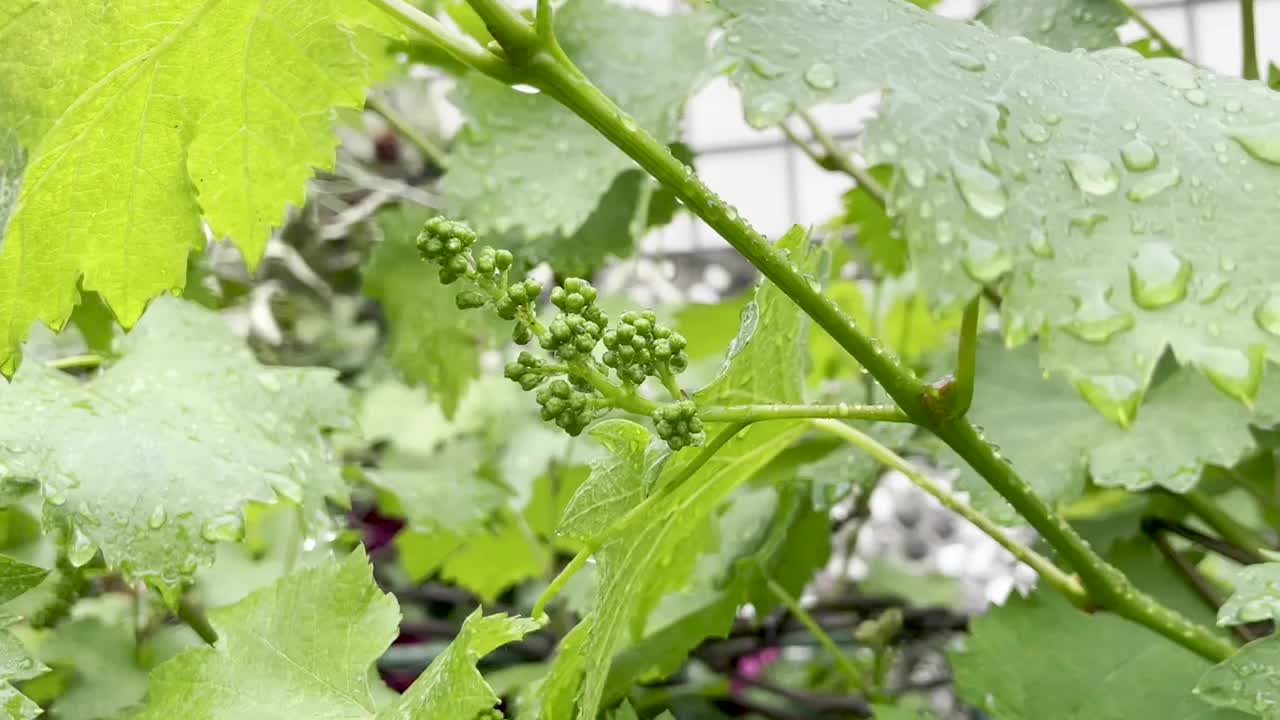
x,y
143,119
1086,184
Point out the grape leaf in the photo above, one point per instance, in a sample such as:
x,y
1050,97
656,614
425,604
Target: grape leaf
x,y
306,644
877,237
145,119
1256,596
103,660
197,429
1166,445
1248,681
431,341
617,482
1073,665
16,664
18,577
1059,24
764,363
1086,183
452,688
448,491
499,176
487,560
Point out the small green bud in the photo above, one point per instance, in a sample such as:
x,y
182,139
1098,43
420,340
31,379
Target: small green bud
x,y
503,259
518,294
513,371
470,299
561,389
521,334
529,381
573,284
574,302
532,288
506,308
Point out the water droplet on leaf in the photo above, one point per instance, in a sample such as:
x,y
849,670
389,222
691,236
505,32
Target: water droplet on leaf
x,y
768,109
1232,371
81,550
1115,396
1034,132
1093,174
1095,320
981,191
820,76
985,261
1138,156
228,528
1267,315
1152,185
159,516
965,61
1262,142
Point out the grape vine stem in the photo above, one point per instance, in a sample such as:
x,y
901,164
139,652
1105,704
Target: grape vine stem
x,y
815,628
1108,588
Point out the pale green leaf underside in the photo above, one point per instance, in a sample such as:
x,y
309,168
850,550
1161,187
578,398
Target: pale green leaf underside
x,y
653,558
1090,183
1056,440
1248,681
155,459
1256,597
1059,24
140,119
525,164
617,482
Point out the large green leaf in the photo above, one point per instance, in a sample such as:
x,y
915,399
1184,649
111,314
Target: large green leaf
x,y
1248,681
1059,24
103,663
432,342
302,646
1086,183
635,571
154,460
526,165
1185,425
1072,665
141,120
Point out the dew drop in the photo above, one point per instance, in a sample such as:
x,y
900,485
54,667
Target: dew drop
x,y
1038,242
1232,371
1034,132
1095,320
159,516
914,172
820,76
1138,156
981,191
82,548
1262,142
1152,185
768,109
765,68
943,232
1177,74
1267,315
1115,396
1093,174
1196,97
985,261
228,527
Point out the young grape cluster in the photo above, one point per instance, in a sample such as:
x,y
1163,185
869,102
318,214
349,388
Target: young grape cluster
x,y
679,424
641,347
573,387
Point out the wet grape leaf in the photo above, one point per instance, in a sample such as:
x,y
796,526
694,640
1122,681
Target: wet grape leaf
x,y
195,429
16,663
525,164
1086,183
1059,24
1166,446
1256,596
150,120
1073,665
1248,681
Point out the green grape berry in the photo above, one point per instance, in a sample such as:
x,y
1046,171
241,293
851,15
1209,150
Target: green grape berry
x,y
679,424
640,347
527,370
568,407
470,299
580,325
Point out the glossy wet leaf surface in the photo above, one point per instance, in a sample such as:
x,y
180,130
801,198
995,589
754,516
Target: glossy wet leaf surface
x,y
1059,24
153,461
1084,184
